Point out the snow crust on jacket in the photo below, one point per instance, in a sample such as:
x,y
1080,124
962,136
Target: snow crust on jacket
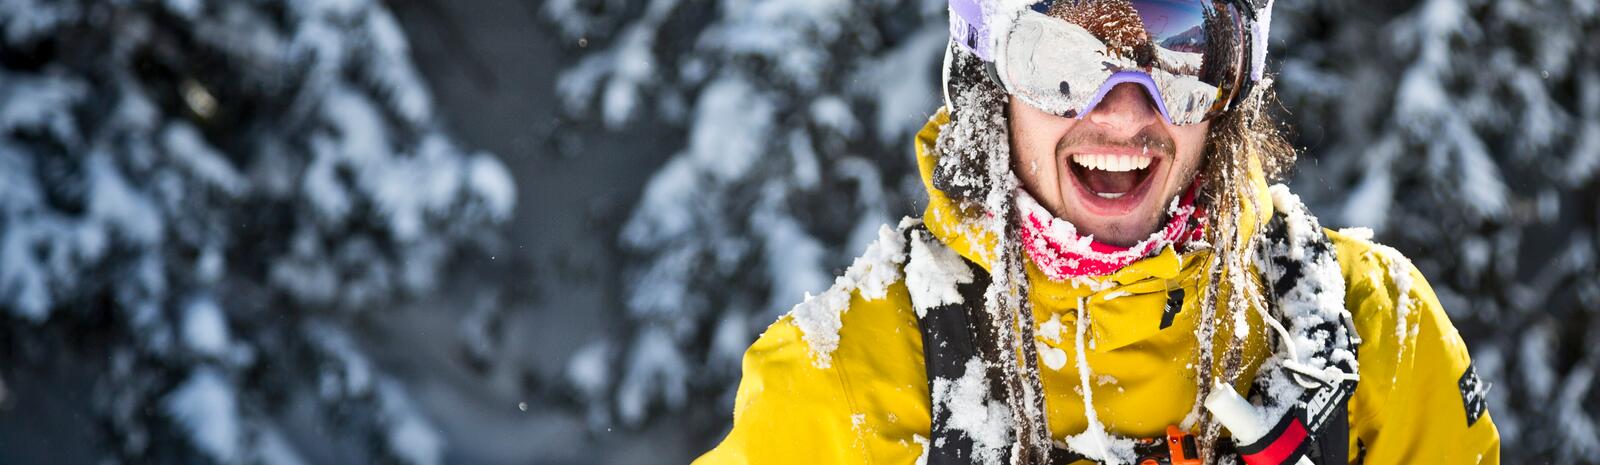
x,y
820,316
933,274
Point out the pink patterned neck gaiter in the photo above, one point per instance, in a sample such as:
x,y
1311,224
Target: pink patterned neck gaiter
x,y
1062,254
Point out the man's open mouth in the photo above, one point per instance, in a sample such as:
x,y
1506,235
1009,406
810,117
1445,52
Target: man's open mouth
x,y
1113,180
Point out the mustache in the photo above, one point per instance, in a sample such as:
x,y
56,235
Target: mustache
x,y
1150,138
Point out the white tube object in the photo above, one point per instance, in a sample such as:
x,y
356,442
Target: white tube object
x,y
1236,414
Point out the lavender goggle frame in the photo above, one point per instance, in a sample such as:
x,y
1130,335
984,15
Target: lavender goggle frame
x,y
1130,77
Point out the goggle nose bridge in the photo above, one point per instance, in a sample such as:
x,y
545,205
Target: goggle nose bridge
x,y
1142,79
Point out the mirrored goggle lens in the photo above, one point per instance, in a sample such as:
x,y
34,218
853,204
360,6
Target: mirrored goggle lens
x,y
1064,56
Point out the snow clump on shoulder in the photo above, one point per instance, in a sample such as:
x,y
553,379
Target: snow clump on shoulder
x,y
933,272
821,316
1399,268
1400,280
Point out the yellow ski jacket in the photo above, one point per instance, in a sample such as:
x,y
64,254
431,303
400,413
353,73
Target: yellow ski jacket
x,y
868,403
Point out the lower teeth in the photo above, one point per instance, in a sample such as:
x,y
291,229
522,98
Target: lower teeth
x,y
1105,195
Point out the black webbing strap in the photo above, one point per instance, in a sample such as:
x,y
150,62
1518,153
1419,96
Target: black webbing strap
x,y
1332,445
949,340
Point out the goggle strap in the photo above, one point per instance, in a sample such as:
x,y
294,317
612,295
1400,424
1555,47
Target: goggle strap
x,y
969,29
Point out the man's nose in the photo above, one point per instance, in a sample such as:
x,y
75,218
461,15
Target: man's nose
x,y
1125,110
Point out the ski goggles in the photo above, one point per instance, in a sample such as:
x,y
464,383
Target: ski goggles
x,y
1064,56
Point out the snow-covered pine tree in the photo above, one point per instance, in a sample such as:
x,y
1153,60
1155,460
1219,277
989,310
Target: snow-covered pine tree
x,y
794,110
1467,134
1114,22
200,199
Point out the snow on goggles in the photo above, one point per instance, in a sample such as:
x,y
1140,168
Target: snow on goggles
x,y
1064,56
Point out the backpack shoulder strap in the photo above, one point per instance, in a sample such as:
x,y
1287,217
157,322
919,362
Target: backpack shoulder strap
x,y
949,320
1297,260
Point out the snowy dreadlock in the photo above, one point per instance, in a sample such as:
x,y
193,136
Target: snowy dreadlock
x,y
1244,139
975,169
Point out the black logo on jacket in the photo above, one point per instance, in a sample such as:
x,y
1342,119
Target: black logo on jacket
x,y
1474,395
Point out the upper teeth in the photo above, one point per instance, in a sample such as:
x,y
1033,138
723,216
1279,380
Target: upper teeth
x,y
1108,162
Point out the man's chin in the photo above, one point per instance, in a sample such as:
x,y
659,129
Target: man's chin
x,y
1124,236
1120,232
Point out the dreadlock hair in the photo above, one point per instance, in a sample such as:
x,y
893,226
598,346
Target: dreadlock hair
x,y
1245,139
974,169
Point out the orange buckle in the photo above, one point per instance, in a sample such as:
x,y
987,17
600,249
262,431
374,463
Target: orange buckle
x,y
1182,446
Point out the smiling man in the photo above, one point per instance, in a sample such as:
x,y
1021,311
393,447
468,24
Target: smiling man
x,y
1103,274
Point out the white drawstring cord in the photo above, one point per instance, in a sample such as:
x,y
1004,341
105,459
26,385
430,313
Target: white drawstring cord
x,y
1325,376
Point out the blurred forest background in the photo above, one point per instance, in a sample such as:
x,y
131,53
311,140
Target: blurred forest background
x,y
485,232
